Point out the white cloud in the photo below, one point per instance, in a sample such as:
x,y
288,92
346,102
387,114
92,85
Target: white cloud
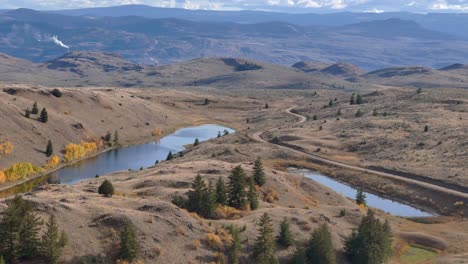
x,y
374,10
460,5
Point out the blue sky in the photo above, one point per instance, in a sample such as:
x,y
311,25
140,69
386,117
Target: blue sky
x,y
420,6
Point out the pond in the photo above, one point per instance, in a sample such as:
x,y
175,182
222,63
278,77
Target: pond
x,y
384,204
127,158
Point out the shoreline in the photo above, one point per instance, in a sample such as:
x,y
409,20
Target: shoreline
x,y
130,143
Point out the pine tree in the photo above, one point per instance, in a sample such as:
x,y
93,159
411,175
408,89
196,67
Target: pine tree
x,y
196,196
52,242
360,197
426,128
209,201
225,133
352,101
106,189
196,142
35,109
339,112
252,194
169,156
27,114
359,99
264,248
320,249
236,188
28,238
375,113
299,256
267,106
236,246
221,195
285,237
116,137
259,173
49,149
44,117
315,117
330,103
359,113
128,243
10,226
219,134
108,136
2,260
371,243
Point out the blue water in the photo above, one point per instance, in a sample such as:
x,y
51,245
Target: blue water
x,y
135,157
384,204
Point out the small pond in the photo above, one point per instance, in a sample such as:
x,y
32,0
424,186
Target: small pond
x,y
384,204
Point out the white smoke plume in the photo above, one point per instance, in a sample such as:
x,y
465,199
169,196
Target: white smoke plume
x,y
59,43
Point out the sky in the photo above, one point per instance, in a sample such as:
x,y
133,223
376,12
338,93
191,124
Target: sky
x,y
293,6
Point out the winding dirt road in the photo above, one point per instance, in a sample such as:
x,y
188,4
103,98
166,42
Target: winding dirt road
x,y
257,136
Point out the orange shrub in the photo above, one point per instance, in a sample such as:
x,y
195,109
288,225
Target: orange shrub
x,y
78,151
6,147
53,162
2,177
22,170
214,241
226,212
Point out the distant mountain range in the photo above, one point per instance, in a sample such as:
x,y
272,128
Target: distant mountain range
x,y
156,36
82,69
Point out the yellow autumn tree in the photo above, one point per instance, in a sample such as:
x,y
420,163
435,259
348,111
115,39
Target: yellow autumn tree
x,y
53,162
2,177
6,147
78,151
22,170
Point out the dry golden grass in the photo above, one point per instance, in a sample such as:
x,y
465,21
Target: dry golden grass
x,y
214,241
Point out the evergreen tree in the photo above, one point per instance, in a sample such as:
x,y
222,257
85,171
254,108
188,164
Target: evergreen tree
x,y
108,136
35,109
359,99
252,195
419,90
371,243
299,256
234,251
315,117
209,201
225,133
2,260
236,188
196,142
116,137
219,134
330,103
44,117
106,189
259,173
197,195
169,156
28,238
320,249
352,101
49,149
359,113
339,112
52,242
285,237
19,227
221,195
27,114
426,128
128,243
267,106
360,197
264,248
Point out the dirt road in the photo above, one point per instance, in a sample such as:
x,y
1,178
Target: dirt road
x,y
257,136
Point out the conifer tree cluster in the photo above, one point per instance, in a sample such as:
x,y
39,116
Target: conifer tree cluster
x,y
19,234
371,243
319,248
240,192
